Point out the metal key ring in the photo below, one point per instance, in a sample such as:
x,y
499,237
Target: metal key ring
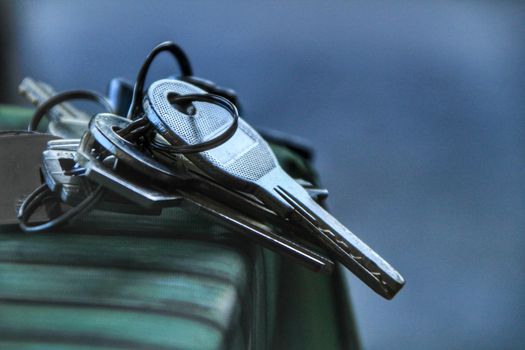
x,y
65,96
216,141
36,198
105,129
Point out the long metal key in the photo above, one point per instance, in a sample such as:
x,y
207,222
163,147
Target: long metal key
x,y
65,120
246,162
218,203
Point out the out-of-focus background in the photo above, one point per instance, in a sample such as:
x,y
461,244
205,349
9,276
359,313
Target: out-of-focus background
x,y
417,112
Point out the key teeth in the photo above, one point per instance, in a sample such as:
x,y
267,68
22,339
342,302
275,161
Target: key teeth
x,y
380,285
342,243
328,232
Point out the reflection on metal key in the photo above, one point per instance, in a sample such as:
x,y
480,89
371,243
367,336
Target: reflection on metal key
x,y
246,162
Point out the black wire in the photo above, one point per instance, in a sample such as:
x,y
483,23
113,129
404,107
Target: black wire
x,y
65,96
138,132
132,132
43,193
215,142
131,127
136,104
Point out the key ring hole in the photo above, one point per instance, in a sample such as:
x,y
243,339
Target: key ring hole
x,y
206,145
66,164
185,107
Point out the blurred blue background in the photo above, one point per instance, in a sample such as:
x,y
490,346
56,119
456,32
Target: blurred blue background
x,y
416,111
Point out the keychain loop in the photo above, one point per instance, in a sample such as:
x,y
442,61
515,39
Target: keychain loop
x,y
184,63
36,199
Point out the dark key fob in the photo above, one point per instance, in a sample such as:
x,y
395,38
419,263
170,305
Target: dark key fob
x,y
120,93
20,154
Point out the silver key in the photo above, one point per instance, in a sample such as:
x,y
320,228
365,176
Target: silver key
x,y
196,192
246,162
119,179
58,171
65,120
55,166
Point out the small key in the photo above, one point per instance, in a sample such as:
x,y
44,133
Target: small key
x,y
56,164
58,171
246,162
121,179
65,121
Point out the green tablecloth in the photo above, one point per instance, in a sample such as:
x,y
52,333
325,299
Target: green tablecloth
x,y
176,281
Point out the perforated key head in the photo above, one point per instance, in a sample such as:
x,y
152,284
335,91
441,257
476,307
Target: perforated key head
x,y
242,160
191,125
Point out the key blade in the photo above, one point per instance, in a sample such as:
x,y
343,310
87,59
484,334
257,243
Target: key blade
x,y
245,203
34,91
262,234
358,257
244,214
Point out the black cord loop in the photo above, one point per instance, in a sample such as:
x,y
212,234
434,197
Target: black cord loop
x,y
65,96
135,107
40,195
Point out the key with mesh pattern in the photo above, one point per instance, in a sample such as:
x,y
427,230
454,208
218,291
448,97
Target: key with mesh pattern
x,y
246,163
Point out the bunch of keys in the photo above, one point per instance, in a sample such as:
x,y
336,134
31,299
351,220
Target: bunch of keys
x,y
182,146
